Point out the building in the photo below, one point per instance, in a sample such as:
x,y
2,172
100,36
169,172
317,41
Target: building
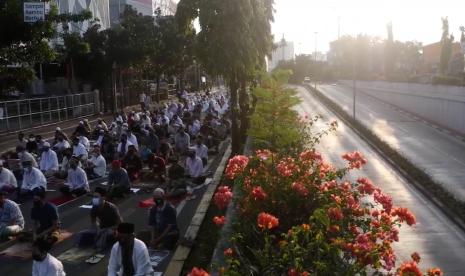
x,y
144,7
432,55
284,51
99,8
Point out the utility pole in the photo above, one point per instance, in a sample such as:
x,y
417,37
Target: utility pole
x,y
316,40
354,84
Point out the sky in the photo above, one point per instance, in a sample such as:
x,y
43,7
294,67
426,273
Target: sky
x,y
418,20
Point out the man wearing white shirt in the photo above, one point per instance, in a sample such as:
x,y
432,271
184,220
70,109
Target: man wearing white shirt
x,y
61,144
33,179
85,142
99,140
132,139
24,155
7,179
201,150
129,256
79,150
97,164
45,264
194,168
48,160
142,100
77,183
123,145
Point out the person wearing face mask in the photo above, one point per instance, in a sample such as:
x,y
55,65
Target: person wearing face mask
x,y
33,180
45,217
97,166
43,263
8,181
11,218
77,183
31,145
61,144
129,256
162,219
48,160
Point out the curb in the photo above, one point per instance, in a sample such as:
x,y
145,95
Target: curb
x,y
182,251
417,185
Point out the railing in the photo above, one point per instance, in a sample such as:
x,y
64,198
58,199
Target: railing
x,y
27,113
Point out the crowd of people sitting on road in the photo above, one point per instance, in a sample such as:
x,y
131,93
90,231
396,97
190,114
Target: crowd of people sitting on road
x,y
164,149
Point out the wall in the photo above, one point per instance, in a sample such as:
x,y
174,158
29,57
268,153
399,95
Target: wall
x,y
441,104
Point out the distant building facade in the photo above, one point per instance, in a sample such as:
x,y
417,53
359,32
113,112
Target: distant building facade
x,y
284,51
432,56
144,7
99,8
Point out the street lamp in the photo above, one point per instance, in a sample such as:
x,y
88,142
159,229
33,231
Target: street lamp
x,y
316,40
354,79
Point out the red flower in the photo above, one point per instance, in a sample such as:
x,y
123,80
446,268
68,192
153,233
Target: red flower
x,y
236,165
335,213
228,252
258,193
384,200
416,257
409,269
356,159
198,272
267,221
219,220
291,272
263,154
299,188
222,197
311,155
365,186
403,214
434,272
286,167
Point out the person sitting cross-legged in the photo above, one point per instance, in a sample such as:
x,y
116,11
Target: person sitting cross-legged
x,y
45,217
104,217
48,160
194,168
132,163
162,219
118,180
45,264
33,180
96,165
129,256
11,218
8,181
77,183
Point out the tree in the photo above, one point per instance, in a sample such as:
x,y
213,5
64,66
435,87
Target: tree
x,y
25,44
389,58
446,46
234,38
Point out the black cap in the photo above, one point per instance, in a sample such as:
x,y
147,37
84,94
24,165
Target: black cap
x,y
126,228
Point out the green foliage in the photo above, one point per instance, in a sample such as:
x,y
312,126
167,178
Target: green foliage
x,y
274,124
447,80
305,66
446,46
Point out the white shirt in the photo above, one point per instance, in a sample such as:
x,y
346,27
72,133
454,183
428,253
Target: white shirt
x,y
33,179
50,266
49,161
100,165
133,140
80,150
62,145
85,142
27,156
7,178
145,122
77,179
201,151
142,98
194,166
118,148
140,260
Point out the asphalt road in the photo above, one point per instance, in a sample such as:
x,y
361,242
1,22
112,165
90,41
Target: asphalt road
x,y
438,241
439,153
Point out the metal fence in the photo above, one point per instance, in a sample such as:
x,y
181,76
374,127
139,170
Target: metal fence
x,y
27,113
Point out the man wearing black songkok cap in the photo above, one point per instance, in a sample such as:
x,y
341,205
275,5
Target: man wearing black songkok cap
x,y
129,256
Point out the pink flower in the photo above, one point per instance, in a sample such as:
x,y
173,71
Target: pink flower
x,y
198,272
299,188
219,220
310,155
263,154
258,193
222,197
403,214
356,159
267,221
365,186
383,199
236,165
335,213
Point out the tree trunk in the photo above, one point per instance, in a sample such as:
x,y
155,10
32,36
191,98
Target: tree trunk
x,y
158,89
244,109
235,135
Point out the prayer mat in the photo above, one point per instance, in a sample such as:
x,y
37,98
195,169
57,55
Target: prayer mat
x,y
76,255
24,249
62,199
